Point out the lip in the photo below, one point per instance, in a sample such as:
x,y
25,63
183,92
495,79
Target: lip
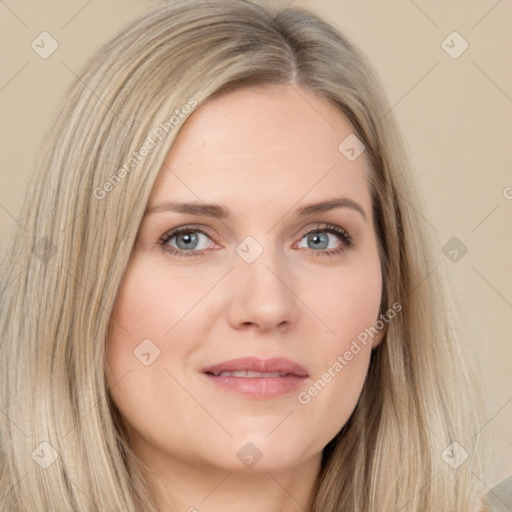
x,y
292,376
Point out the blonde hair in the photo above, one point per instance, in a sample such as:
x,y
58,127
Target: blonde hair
x,y
77,228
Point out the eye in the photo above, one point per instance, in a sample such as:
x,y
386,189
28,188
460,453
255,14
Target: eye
x,y
185,241
320,240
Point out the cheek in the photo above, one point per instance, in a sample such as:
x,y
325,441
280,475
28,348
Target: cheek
x,y
135,347
348,301
153,300
136,350
349,306
151,310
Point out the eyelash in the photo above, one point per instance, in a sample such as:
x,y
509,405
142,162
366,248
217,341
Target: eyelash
x,y
347,242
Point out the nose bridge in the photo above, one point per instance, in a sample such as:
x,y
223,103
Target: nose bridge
x,y
263,284
260,265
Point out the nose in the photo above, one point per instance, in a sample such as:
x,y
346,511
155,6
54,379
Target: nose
x,y
262,294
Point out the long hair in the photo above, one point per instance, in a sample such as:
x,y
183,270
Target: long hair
x,y
63,445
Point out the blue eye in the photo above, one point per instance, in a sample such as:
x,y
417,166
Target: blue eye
x,y
318,237
187,240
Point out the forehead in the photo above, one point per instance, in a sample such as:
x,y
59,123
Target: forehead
x,y
262,146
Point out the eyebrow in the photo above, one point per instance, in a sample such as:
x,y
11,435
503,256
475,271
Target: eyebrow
x,y
221,212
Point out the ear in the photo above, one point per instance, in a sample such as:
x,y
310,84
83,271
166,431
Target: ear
x,y
377,339
382,322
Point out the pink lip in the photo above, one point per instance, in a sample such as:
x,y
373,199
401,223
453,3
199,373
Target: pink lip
x,y
259,387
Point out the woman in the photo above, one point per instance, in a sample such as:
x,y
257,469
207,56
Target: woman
x,y
164,346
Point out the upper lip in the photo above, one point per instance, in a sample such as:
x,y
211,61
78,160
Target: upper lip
x,y
253,364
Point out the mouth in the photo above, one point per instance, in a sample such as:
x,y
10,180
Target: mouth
x,y
249,375
257,378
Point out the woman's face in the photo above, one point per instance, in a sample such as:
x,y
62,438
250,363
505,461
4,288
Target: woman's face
x,y
274,286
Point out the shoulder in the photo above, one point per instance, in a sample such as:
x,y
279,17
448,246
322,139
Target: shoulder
x,y
499,498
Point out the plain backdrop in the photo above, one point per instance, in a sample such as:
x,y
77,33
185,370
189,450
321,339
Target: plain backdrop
x,y
455,111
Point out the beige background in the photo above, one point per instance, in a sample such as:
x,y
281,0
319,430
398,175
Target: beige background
x,y
456,114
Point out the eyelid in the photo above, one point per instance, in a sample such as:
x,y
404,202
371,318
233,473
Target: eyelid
x,y
325,226
184,229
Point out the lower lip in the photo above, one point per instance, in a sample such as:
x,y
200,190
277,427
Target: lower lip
x,y
259,387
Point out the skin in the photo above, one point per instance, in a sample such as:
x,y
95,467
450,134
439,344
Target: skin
x,y
262,153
